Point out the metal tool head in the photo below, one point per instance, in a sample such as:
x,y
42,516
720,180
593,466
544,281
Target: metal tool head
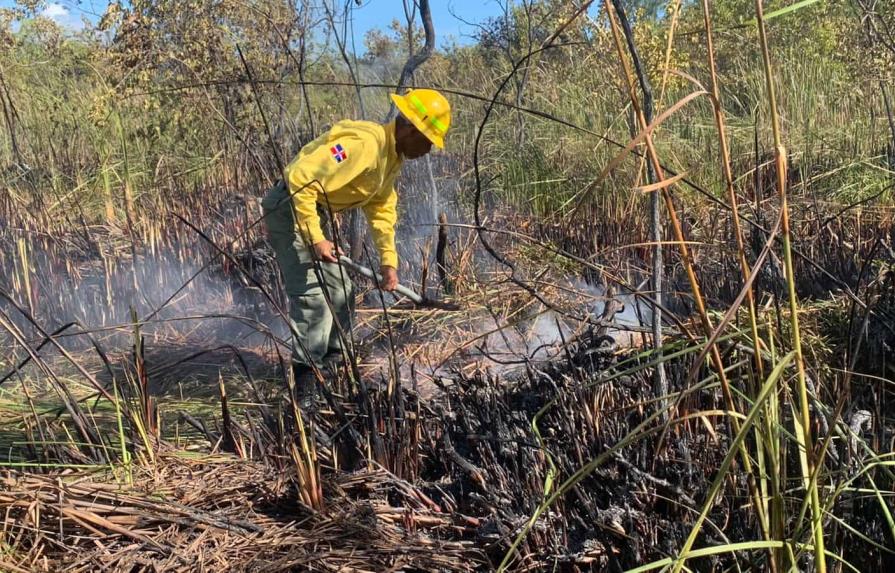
x,y
438,304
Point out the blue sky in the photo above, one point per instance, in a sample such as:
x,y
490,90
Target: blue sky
x,y
371,14
380,13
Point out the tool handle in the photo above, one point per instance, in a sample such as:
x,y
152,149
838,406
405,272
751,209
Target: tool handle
x,y
370,274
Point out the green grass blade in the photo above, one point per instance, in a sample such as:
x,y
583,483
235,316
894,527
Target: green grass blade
x,y
708,551
769,386
783,11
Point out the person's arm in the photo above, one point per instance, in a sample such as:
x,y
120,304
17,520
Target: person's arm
x,y
382,215
325,170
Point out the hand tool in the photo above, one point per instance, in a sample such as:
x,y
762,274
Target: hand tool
x,y
415,298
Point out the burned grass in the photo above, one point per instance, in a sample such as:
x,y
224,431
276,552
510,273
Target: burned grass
x,y
444,483
455,478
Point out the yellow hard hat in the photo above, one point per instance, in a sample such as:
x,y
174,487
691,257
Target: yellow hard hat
x,y
428,111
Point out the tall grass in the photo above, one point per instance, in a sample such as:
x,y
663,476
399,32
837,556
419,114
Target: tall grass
x,y
809,464
781,520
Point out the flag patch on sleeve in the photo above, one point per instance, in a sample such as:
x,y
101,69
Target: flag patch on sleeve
x,y
338,152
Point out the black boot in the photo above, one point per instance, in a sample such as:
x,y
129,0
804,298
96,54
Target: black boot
x,y
333,360
305,387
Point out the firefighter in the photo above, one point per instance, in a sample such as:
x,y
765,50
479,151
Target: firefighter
x,y
353,165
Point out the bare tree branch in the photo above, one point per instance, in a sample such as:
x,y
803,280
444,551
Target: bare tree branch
x,y
661,382
414,61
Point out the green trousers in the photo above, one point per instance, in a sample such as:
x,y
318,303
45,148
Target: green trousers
x,y
314,323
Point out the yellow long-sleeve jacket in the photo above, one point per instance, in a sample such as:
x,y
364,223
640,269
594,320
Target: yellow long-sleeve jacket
x,y
354,164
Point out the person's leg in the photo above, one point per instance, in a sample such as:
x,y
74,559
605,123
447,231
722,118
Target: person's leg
x,y
341,293
308,311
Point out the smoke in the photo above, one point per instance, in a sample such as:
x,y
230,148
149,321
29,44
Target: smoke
x,y
635,313
541,335
103,289
533,339
426,188
103,283
105,294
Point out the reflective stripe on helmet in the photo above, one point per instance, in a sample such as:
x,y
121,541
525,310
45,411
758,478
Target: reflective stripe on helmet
x,y
437,124
421,109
